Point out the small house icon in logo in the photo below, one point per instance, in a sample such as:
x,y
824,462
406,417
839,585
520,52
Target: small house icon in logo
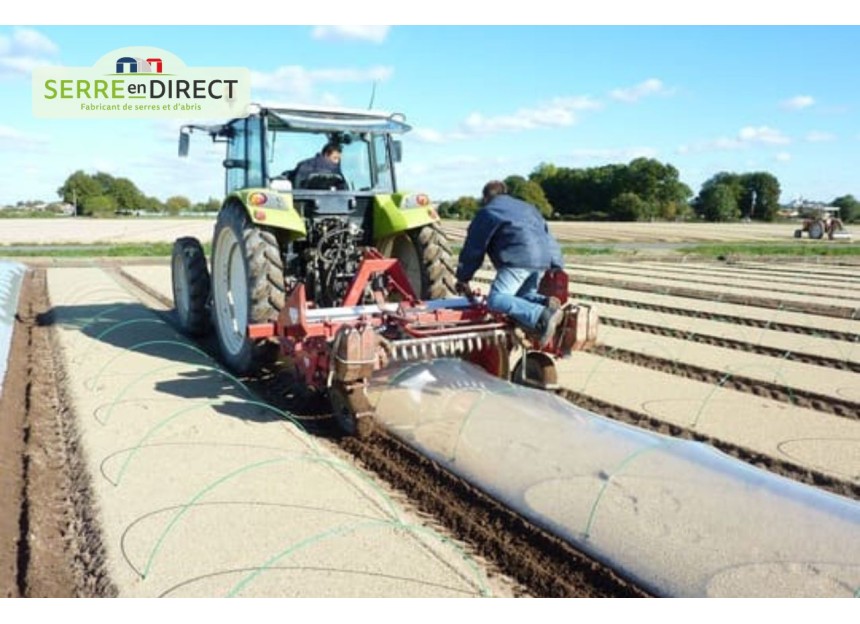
x,y
138,65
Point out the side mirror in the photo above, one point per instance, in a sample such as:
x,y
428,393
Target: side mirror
x,y
184,140
397,150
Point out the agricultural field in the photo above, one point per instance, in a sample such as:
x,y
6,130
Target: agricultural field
x,y
121,231
141,467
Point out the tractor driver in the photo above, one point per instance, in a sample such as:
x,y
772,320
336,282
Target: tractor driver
x,y
516,237
326,162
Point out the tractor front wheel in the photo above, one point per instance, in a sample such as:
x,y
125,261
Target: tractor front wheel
x,y
426,256
247,287
191,286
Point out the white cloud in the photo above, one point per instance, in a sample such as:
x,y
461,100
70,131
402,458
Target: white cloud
x,y
373,34
330,99
427,135
816,136
798,102
747,136
29,40
11,138
762,134
297,81
558,112
23,50
783,157
652,86
621,154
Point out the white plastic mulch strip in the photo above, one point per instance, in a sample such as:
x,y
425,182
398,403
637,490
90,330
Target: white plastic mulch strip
x,y
11,274
678,517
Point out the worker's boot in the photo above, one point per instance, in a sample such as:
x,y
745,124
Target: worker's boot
x,y
548,323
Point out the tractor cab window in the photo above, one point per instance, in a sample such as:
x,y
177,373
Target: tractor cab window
x,y
236,153
363,162
382,164
255,152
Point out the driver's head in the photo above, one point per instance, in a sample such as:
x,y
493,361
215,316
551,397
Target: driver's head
x,y
332,153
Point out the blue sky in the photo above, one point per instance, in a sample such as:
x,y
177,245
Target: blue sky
x,y
484,101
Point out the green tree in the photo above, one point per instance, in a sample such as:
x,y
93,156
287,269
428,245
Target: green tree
x,y
530,192
100,206
465,207
849,207
718,202
126,194
759,198
213,205
153,204
542,172
658,185
177,204
78,188
628,207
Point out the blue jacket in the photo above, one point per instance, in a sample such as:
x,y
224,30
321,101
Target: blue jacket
x,y
513,233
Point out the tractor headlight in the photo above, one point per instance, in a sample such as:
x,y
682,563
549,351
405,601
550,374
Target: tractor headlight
x,y
415,200
257,199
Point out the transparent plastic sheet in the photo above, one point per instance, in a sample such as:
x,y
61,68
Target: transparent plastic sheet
x,y
678,517
11,274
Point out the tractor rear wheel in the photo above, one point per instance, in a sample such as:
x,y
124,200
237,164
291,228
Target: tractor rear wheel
x,y
426,256
247,287
816,230
191,285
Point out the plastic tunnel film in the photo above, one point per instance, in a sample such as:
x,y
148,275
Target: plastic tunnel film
x,y
11,274
678,517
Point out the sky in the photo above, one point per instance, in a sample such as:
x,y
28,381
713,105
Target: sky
x,y
484,101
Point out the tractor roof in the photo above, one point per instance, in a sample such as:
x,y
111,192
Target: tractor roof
x,y
314,119
333,119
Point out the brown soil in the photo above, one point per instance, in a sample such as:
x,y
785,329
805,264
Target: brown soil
x,y
820,332
545,565
729,343
49,543
694,293
770,390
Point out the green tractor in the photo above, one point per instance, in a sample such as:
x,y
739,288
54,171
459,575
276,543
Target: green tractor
x,y
275,230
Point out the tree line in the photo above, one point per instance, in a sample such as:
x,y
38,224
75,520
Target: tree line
x,y
645,189
103,195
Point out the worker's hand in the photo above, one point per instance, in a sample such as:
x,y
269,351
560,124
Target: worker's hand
x,y
463,288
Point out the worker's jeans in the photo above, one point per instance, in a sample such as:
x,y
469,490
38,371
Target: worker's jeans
x,y
514,292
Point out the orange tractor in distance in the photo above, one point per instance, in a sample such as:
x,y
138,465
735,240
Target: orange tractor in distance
x,y
820,221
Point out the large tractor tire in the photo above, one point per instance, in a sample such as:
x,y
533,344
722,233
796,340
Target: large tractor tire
x,y
191,286
426,256
816,230
247,287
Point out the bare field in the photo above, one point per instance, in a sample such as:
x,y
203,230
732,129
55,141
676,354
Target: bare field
x,y
86,231
758,361
617,232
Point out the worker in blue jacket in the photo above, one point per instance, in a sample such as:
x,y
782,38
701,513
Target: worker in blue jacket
x,y
516,237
